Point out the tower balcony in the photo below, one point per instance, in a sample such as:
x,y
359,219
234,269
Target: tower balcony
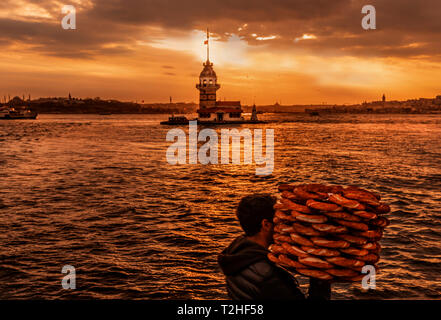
x,y
200,86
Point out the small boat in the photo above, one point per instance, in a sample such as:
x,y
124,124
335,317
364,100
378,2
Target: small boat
x,y
176,120
243,121
11,113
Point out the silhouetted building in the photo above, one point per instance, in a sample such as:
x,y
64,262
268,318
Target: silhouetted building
x,y
209,108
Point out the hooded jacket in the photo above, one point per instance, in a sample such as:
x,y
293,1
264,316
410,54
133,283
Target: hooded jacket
x,y
251,276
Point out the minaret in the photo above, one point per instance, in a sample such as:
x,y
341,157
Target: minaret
x,y
207,85
254,114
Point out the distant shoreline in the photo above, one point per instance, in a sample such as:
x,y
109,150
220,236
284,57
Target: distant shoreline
x,y
281,113
105,107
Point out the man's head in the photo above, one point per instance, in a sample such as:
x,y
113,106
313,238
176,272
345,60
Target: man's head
x,y
255,214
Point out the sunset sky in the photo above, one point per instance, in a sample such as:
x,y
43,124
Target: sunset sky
x,y
291,51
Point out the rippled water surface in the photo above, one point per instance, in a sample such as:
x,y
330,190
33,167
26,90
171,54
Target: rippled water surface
x,y
96,192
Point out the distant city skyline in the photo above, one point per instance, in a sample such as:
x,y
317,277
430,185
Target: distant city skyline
x,y
292,52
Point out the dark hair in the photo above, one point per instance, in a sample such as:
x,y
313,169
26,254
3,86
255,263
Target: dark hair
x,y
253,209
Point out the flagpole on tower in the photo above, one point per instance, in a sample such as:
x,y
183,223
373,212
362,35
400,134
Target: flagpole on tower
x,y
208,45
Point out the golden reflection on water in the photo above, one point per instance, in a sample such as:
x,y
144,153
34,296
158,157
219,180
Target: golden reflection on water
x,y
99,194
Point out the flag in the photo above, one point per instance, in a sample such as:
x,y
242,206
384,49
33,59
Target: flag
x,y
206,42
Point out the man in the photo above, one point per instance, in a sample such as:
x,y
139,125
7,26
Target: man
x,y
249,273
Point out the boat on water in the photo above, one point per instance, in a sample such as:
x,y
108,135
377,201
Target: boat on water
x,y
217,116
176,121
17,113
211,111
180,120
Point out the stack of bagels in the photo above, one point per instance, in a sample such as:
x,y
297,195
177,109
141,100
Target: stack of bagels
x,y
328,232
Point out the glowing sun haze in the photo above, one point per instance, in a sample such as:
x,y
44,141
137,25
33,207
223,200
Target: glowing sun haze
x,y
297,51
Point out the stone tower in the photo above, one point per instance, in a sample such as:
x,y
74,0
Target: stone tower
x,y
207,85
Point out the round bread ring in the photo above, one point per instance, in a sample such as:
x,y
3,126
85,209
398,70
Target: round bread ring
x,y
354,225
304,230
372,246
336,189
293,250
290,262
295,214
357,278
280,238
316,187
361,196
301,240
348,273
370,258
322,252
276,249
286,187
329,228
345,262
321,188
381,222
284,216
281,207
323,206
291,196
323,195
276,220
382,208
273,258
365,214
309,218
288,195
315,262
312,273
360,269
357,269
353,239
295,206
371,234
283,229
354,251
347,203
355,188
300,192
342,215
335,244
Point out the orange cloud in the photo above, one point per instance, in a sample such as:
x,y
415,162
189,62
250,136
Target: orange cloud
x,y
297,51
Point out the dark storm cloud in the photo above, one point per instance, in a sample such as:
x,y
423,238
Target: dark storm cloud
x,y
87,41
404,27
185,14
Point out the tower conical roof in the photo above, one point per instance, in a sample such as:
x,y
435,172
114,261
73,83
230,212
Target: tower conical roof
x,y
208,70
